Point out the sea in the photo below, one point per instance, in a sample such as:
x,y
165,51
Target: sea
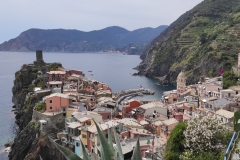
x,y
114,69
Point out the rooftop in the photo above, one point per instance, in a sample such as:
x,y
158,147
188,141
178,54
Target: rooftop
x,y
55,82
57,95
57,72
225,113
74,125
152,105
220,102
170,121
129,122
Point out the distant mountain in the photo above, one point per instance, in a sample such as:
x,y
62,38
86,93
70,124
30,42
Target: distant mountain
x,y
61,40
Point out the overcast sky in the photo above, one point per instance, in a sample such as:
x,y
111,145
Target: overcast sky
x,y
17,16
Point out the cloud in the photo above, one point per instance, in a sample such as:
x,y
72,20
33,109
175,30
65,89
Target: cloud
x,y
86,15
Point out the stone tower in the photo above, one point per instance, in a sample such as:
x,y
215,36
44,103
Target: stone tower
x,y
39,56
181,80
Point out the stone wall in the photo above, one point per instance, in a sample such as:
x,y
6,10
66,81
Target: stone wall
x,y
57,120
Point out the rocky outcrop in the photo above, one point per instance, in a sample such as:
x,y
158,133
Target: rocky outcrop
x,y
24,101
23,143
44,150
201,42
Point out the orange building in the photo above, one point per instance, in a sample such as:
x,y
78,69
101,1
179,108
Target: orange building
x,y
129,105
56,102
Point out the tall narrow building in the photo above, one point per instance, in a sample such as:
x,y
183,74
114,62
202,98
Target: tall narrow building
x,y
181,80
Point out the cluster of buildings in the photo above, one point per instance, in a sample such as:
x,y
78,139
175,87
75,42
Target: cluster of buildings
x,y
76,102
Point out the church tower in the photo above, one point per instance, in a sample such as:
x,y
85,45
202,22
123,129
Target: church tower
x,y
181,80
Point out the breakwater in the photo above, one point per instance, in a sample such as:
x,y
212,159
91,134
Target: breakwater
x,y
119,96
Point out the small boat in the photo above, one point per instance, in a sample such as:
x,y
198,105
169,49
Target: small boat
x,y
89,70
91,74
8,149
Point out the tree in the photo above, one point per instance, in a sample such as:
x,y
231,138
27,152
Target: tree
x,y
236,124
204,135
175,144
229,79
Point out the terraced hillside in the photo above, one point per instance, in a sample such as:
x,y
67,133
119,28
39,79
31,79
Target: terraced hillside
x,y
202,41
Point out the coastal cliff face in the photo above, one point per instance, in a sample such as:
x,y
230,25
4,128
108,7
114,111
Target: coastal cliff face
x,y
201,42
28,140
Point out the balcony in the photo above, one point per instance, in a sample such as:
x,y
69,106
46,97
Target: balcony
x,y
92,139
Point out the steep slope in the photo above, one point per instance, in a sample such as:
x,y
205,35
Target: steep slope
x,y
60,40
201,42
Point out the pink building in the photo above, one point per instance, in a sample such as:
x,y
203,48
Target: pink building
x,y
56,102
167,127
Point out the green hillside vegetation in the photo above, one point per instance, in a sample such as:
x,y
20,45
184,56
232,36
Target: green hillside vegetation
x,y
201,42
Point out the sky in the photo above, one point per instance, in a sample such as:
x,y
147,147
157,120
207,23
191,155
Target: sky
x,y
17,16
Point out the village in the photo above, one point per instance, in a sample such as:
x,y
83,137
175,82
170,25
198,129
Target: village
x,y
72,102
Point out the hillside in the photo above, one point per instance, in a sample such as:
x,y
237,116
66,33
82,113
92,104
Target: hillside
x,y
201,42
60,40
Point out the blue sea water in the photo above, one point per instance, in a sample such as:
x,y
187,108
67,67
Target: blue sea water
x,y
115,69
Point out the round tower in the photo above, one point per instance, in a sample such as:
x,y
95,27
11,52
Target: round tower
x,y
181,80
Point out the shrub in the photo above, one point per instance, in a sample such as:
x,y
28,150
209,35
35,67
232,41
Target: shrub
x,y
204,134
35,70
229,79
31,87
32,124
41,106
41,84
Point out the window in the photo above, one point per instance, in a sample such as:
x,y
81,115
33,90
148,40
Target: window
x,y
50,107
186,100
108,117
84,136
85,146
77,144
106,135
50,101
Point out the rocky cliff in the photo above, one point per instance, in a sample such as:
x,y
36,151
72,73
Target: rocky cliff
x,y
28,141
60,40
202,41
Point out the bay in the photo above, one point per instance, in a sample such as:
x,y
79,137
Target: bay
x,y
114,69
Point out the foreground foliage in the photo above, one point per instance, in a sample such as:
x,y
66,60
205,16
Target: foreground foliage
x,y
106,149
175,144
199,139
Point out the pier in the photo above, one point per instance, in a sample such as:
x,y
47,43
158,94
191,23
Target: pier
x,y
119,96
